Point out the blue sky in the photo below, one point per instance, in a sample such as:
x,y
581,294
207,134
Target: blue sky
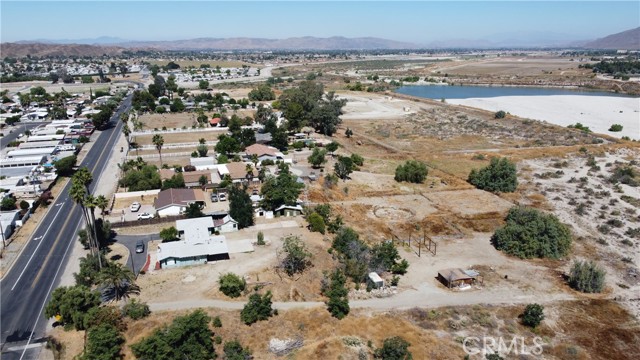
x,y
417,22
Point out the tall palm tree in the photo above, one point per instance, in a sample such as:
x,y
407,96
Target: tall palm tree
x,y
158,141
78,194
84,177
102,203
127,131
117,282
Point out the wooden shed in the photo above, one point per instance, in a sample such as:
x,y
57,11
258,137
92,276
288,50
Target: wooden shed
x,y
455,277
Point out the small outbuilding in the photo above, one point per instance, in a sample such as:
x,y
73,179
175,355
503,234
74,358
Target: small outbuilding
x,y
456,277
375,280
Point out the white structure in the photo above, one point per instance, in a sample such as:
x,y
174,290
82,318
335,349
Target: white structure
x,y
198,245
225,225
25,161
35,138
7,223
39,144
31,152
375,280
204,163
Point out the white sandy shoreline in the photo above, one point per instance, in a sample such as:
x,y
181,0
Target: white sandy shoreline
x,y
596,112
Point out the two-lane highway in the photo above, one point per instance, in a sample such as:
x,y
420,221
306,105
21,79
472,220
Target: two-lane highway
x,y
25,290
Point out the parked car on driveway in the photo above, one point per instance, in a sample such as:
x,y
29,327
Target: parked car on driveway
x,y
223,197
135,206
214,197
139,246
145,216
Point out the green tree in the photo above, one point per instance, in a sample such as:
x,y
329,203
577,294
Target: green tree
x,y
158,141
177,105
24,206
533,315
412,171
500,114
64,166
176,181
104,315
169,234
332,147
102,203
257,309
348,133
188,337
203,84
233,350
615,128
280,190
587,277
262,93
343,167
8,203
193,211
316,223
338,303
241,207
529,233
317,157
202,150
117,282
231,284
104,342
394,348
297,257
499,176
357,161
89,268
71,304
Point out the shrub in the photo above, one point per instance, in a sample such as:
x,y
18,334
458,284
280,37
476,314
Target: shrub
x,y
500,114
586,276
260,240
231,284
217,322
499,176
136,310
615,128
257,309
412,171
316,223
297,257
530,233
533,315
338,304
394,348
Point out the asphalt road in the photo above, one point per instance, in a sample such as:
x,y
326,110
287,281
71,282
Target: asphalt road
x,y
16,130
25,290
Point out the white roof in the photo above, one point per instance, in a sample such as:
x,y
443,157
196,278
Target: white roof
x,y
39,144
22,160
203,161
182,249
33,138
375,277
295,207
31,152
196,230
222,170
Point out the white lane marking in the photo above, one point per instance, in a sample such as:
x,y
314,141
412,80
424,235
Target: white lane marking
x,y
36,249
44,302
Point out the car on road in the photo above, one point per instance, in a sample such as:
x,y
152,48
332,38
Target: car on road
x,y
139,246
145,216
135,206
223,197
214,197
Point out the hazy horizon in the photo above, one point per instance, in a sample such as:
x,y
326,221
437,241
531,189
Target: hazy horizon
x,y
414,22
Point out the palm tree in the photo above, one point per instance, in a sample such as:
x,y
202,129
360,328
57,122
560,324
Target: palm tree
x,y
102,203
158,141
127,131
83,176
124,117
117,282
254,160
78,193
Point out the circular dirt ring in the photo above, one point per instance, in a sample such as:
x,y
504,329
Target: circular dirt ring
x,y
393,213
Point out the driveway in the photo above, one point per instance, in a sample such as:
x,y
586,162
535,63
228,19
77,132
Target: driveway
x,y
136,261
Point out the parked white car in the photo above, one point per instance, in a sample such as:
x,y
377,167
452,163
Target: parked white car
x,y
135,206
145,216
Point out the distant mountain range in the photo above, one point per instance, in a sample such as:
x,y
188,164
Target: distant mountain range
x,y
629,40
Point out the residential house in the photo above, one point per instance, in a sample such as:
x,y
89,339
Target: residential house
x,y
173,202
225,224
263,152
7,223
191,178
238,173
288,210
197,244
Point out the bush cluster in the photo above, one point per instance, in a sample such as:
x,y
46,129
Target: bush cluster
x,y
499,176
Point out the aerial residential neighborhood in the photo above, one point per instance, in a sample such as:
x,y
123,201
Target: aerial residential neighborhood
x,y
314,180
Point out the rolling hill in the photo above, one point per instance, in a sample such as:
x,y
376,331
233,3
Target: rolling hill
x,y
626,40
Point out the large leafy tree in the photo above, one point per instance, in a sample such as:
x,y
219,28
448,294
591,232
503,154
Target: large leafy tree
x,y
343,167
71,304
317,157
296,258
530,233
231,284
499,176
411,171
257,309
104,342
188,337
64,166
280,190
240,206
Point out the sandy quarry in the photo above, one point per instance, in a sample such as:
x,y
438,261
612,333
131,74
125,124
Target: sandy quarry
x,y
596,112
374,107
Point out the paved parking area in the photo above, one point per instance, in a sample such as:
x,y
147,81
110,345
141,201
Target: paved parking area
x,y
132,216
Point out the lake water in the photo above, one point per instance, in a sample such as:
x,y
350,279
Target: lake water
x,y
465,92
